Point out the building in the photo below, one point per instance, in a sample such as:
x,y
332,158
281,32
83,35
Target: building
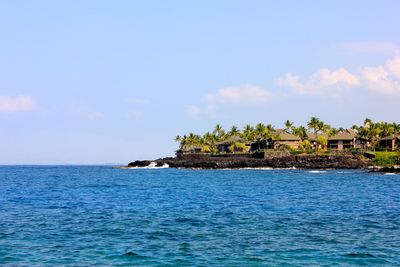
x,y
391,142
187,150
313,138
344,140
223,146
285,139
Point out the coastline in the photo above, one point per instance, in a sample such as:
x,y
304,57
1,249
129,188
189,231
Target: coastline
x,y
310,162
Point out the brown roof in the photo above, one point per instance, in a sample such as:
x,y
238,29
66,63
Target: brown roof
x,y
314,137
345,135
285,136
391,137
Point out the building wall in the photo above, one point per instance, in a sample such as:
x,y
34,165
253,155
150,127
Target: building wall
x,y
291,144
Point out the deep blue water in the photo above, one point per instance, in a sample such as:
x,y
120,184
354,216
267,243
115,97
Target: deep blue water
x,y
80,216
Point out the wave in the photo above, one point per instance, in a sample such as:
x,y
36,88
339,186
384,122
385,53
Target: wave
x,y
152,165
316,171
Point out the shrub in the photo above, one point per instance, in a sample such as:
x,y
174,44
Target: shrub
x,y
206,149
386,159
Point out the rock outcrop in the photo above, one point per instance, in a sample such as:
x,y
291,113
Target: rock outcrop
x,y
243,161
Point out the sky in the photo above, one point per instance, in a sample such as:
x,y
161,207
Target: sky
x,y
93,82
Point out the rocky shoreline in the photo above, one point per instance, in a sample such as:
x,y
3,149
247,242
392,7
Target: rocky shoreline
x,y
198,161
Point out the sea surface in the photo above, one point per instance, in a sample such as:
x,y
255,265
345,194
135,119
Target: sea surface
x,y
101,216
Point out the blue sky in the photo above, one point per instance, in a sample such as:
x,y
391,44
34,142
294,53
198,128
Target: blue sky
x,y
115,81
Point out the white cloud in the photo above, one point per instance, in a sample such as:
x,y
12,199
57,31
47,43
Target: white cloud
x,y
384,79
243,95
378,79
324,78
17,104
393,67
84,112
292,81
322,81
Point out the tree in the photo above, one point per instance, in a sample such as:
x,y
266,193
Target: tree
x,y
248,133
288,126
219,132
237,147
306,145
234,131
322,141
315,124
333,131
300,131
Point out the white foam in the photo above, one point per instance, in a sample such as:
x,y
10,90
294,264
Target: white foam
x,y
390,173
316,171
152,165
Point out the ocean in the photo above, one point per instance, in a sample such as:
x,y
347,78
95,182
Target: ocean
x,y
98,215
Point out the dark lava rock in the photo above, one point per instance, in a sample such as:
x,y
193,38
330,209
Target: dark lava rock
x,y
139,163
390,170
198,161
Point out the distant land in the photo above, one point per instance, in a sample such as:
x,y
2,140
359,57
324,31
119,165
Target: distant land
x,y
373,145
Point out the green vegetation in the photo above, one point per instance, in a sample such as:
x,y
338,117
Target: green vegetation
x,y
314,138
386,159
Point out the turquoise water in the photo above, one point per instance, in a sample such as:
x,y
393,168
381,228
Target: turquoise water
x,y
80,216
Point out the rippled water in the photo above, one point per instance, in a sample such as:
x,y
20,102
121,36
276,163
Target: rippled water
x,y
81,216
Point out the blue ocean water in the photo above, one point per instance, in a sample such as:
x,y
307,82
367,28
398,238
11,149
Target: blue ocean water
x,y
97,215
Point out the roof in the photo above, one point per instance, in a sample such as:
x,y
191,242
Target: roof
x,y
391,137
232,139
314,136
345,135
285,136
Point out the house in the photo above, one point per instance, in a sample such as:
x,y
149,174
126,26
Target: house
x,y
285,139
391,142
223,146
262,144
187,150
344,140
313,138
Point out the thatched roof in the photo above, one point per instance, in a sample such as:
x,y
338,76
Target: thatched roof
x,y
314,136
285,136
391,137
345,135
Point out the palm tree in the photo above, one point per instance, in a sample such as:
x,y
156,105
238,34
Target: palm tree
x,y
219,132
300,131
333,131
234,131
179,139
288,126
248,133
314,124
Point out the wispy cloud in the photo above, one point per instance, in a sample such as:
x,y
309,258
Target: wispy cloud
x,y
292,81
84,112
17,104
243,95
